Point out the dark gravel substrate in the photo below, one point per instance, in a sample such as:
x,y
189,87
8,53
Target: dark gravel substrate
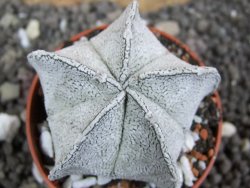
x,y
219,31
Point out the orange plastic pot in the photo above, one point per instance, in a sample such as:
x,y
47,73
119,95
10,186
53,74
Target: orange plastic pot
x,y
36,112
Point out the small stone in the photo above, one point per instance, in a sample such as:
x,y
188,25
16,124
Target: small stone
x,y
202,26
113,15
23,37
24,74
197,128
22,15
2,175
9,126
103,180
197,119
7,148
8,20
23,115
195,136
246,145
29,185
152,185
36,174
67,183
187,171
199,155
195,172
216,179
75,177
63,25
193,159
189,142
228,129
87,182
9,91
125,184
203,158
225,166
204,134
171,27
33,29
211,153
46,143
233,13
49,167
202,165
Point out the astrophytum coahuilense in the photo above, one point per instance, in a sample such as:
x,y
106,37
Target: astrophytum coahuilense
x,y
118,104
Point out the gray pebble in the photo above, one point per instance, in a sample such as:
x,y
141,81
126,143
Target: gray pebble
x,y
9,91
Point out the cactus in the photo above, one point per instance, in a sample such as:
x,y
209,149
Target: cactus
x,y
118,104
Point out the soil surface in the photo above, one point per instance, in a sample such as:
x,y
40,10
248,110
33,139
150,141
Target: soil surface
x,y
217,30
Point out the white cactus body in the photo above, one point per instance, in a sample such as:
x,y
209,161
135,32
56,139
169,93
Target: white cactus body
x,y
119,104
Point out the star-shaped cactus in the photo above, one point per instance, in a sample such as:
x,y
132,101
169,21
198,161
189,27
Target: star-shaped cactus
x,y
118,105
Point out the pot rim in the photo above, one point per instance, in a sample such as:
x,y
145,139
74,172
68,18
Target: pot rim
x,y
34,88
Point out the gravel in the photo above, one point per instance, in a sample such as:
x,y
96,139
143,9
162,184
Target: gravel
x,y
217,30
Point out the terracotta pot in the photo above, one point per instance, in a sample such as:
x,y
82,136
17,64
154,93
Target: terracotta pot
x,y
36,112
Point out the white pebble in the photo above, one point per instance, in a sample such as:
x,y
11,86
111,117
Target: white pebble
x,y
84,183
63,25
23,115
8,20
33,29
189,142
67,183
9,125
23,37
22,15
233,13
171,27
9,91
202,165
152,185
75,177
246,145
195,136
99,23
228,129
197,119
179,172
103,180
46,142
187,171
193,159
36,174
49,167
